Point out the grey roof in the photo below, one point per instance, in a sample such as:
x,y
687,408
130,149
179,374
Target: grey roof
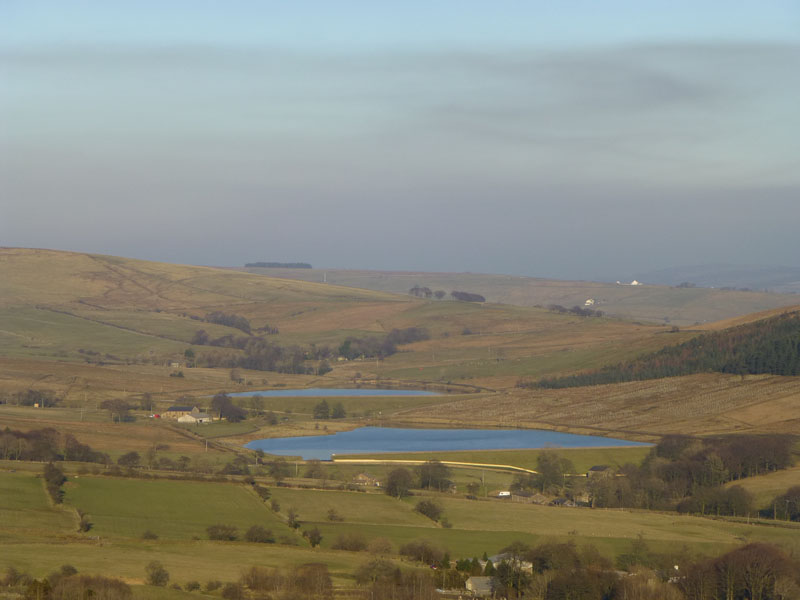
x,y
480,585
180,409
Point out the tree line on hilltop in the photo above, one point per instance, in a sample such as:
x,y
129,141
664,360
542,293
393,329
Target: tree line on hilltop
x,y
426,292
769,346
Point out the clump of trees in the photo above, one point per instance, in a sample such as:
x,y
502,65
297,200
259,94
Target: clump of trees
x,y
42,398
467,297
688,474
383,580
228,320
429,508
433,475
222,532
53,480
575,310
424,551
372,346
399,482
46,445
260,535
552,469
354,542
226,409
310,581
257,354
766,346
322,410
156,574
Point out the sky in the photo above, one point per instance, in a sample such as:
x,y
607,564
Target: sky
x,y
573,140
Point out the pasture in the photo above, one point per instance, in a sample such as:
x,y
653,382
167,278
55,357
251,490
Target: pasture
x,y
581,458
170,509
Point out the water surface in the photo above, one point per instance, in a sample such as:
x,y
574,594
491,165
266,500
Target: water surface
x,y
368,440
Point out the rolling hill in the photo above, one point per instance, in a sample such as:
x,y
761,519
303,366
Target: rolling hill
x,y
652,303
124,316
87,328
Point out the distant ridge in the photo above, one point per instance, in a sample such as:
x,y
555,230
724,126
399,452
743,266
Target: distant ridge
x,y
277,265
752,277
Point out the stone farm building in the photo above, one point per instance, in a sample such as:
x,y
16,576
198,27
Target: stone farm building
x,y
480,587
195,417
366,480
186,414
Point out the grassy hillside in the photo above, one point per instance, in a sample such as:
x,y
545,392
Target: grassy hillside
x,y
701,404
656,303
124,316
765,346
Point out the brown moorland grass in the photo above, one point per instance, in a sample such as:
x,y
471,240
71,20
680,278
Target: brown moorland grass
x,y
682,306
697,405
122,310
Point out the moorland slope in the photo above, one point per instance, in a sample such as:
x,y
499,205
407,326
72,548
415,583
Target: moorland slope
x,y
653,303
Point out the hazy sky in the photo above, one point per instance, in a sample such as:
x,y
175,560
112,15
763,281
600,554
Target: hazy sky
x,y
571,139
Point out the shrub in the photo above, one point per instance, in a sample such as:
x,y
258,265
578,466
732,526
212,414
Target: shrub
x,y
96,587
354,542
192,586
429,508
149,535
333,515
380,546
213,584
233,591
423,551
84,524
156,574
260,535
226,533
314,536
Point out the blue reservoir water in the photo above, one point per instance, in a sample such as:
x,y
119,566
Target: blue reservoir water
x,y
331,393
366,440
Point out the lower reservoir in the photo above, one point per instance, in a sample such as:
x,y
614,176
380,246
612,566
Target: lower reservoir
x,y
367,440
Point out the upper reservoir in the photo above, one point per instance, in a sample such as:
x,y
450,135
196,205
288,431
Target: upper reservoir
x,y
365,440
332,393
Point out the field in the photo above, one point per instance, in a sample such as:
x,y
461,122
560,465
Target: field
x,y
179,511
171,509
766,487
581,458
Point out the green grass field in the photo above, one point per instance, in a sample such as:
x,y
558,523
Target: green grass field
x,y
38,537
766,487
26,510
171,509
582,458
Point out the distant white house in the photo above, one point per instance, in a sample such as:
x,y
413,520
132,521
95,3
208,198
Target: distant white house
x,y
634,282
589,302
